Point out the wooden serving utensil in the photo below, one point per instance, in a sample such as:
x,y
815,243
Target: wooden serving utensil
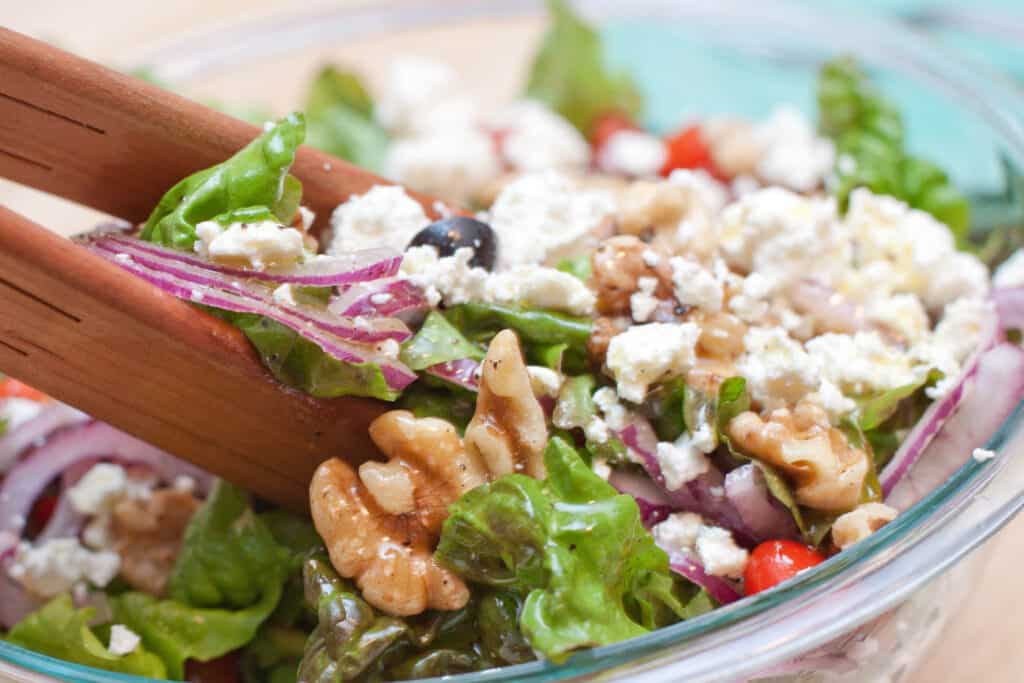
x,y
89,333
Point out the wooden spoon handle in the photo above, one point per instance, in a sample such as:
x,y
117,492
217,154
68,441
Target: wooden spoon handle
x,y
81,328
104,139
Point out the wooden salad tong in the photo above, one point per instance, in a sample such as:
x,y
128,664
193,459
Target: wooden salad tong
x,y
89,333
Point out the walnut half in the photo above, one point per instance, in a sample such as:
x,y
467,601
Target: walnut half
x,y
147,534
828,471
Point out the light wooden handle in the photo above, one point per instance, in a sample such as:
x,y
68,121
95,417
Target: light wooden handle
x,y
82,329
74,128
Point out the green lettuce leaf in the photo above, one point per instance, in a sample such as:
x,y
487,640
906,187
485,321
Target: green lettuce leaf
x,y
574,410
437,341
732,400
59,630
869,135
229,557
570,75
254,179
339,115
579,267
591,574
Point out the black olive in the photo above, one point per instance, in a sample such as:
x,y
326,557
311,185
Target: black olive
x,y
449,234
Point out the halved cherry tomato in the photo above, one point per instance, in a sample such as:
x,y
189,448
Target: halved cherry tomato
x,y
773,562
224,669
687,149
607,125
12,388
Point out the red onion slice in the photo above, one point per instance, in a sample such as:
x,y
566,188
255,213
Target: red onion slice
x,y
654,505
761,512
379,298
718,588
1010,306
358,330
15,602
396,374
53,416
322,271
997,386
464,372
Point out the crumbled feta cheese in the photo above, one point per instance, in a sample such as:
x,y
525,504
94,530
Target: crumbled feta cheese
x,y
384,216
56,565
642,302
601,468
308,217
651,258
680,462
749,303
777,369
257,246
416,93
982,454
832,401
123,640
99,489
185,483
540,287
695,286
719,553
544,381
16,411
97,533
541,216
961,325
537,139
792,154
862,362
743,185
677,534
1011,272
595,431
784,237
615,414
711,193
646,354
900,313
453,164
632,153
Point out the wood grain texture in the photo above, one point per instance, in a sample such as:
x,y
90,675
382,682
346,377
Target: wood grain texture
x,y
112,345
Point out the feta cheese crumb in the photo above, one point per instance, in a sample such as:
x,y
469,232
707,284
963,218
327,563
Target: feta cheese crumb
x,y
680,462
544,381
56,565
695,286
415,89
792,153
719,553
901,313
99,489
650,258
677,534
123,640
615,414
982,454
646,354
642,302
452,163
633,153
539,139
450,279
777,369
862,362
1011,272
383,216
185,483
16,411
601,468
711,193
257,246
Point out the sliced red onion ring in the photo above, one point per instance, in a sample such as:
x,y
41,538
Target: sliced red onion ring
x,y
718,588
937,413
379,298
1010,306
53,416
654,505
762,513
704,495
87,441
996,388
464,372
396,374
322,271
359,330
15,602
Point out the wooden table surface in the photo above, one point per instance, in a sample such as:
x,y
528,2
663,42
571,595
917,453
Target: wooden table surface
x,y
981,643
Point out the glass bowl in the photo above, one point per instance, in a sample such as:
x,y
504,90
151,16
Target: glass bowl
x,y
868,614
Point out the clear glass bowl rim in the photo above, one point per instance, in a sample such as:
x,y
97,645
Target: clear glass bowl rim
x,y
820,604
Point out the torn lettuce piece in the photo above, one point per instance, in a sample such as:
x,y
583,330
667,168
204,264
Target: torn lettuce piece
x,y
339,117
575,548
59,630
579,267
575,409
254,178
569,73
437,341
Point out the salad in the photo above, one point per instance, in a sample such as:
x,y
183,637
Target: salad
x,y
634,378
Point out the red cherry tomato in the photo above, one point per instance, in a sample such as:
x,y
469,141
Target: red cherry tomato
x,y
42,511
773,562
687,149
607,125
224,669
12,388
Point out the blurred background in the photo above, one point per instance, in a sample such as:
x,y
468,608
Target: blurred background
x,y
981,643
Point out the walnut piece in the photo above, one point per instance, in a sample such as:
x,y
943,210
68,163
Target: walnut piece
x,y
601,336
508,431
828,471
147,534
617,266
858,524
389,555
733,145
721,334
